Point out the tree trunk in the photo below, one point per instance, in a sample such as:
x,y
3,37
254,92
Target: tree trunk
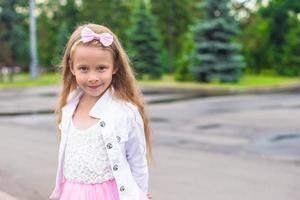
x,y
34,60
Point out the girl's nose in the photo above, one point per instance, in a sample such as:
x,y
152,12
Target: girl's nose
x,y
93,78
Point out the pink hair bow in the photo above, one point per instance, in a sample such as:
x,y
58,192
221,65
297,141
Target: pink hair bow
x,y
88,35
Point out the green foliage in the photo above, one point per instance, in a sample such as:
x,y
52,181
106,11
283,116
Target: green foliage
x,y
70,12
278,14
113,14
291,49
13,35
46,33
215,56
145,44
53,32
209,51
256,44
183,62
174,18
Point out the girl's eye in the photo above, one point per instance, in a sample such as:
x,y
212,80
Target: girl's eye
x,y
101,68
83,69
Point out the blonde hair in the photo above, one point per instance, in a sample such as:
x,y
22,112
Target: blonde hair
x,y
124,83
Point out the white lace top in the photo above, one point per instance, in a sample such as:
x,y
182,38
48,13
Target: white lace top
x,y
86,159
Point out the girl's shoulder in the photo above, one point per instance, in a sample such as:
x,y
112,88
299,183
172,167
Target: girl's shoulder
x,y
132,117
126,108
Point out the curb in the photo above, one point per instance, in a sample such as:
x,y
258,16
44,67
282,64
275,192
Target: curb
x,y
5,196
177,94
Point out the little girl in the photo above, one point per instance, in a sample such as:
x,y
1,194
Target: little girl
x,y
105,135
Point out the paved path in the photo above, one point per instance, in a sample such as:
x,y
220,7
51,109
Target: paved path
x,y
43,100
219,148
5,196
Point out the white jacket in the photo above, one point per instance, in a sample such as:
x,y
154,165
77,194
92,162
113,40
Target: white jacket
x,y
123,133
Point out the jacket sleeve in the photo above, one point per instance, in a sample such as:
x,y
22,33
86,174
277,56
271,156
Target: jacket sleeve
x,y
136,150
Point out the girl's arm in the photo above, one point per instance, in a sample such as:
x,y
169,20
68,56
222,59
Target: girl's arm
x,y
136,150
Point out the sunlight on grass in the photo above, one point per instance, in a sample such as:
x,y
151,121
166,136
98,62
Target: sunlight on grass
x,y
23,80
246,82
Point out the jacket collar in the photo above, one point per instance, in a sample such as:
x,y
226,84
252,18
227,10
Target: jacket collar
x,y
102,105
97,110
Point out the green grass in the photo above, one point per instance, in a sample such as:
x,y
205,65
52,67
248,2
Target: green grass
x,y
246,82
23,80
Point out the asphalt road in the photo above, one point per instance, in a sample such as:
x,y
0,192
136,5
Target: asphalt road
x,y
219,148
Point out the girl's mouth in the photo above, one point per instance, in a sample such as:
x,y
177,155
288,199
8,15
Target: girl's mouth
x,y
94,87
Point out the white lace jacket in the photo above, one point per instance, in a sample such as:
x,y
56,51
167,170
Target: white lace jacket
x,y
123,134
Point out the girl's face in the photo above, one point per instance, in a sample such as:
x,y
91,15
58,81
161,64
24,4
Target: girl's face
x,y
93,69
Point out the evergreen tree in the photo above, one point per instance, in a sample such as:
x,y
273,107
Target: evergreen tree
x,y
14,33
144,44
216,55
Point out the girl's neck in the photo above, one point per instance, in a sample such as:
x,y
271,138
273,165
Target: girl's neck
x,y
88,100
81,118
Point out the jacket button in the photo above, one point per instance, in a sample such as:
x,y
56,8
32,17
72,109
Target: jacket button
x,y
118,138
102,123
122,188
115,167
109,146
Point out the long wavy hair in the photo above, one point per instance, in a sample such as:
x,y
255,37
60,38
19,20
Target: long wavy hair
x,y
124,83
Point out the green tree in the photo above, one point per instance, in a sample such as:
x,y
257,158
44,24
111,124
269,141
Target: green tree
x,y
69,12
277,12
55,23
14,33
291,48
216,56
256,43
113,14
46,33
174,18
144,44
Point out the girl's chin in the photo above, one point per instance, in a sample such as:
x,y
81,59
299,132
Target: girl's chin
x,y
95,92
94,96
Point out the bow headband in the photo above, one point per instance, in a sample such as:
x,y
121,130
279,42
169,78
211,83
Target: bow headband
x,y
88,35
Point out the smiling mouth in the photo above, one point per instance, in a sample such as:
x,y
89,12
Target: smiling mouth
x,y
94,87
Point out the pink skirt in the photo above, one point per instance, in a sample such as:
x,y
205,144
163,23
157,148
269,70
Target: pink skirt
x,y
100,191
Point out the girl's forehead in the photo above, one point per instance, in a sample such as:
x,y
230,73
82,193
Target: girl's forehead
x,y
91,47
91,54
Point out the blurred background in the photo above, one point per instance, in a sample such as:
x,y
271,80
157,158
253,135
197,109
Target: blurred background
x,y
207,41
221,79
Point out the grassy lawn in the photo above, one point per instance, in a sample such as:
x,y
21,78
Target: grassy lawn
x,y
246,82
23,80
